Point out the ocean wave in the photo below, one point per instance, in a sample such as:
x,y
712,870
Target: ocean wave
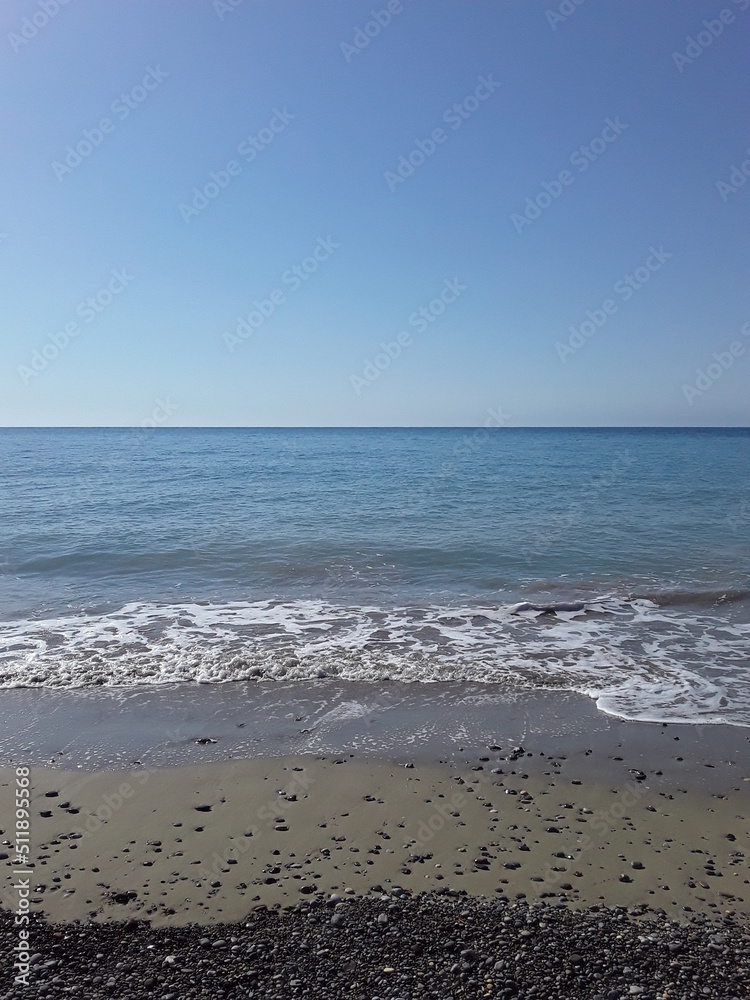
x,y
635,658
692,598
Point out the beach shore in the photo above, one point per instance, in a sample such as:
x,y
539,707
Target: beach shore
x,y
595,858
209,841
392,947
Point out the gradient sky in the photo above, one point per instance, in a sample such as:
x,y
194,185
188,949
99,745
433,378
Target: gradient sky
x,y
217,73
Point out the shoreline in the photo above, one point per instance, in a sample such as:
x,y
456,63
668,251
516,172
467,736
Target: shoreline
x,y
179,725
209,841
572,854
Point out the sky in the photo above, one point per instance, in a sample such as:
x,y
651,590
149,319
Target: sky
x,y
379,213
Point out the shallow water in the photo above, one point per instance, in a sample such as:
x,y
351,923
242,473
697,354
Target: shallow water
x,y
130,557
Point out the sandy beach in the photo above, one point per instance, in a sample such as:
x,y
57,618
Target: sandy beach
x,y
362,841
209,842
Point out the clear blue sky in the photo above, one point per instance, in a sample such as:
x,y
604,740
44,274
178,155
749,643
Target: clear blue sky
x,y
316,123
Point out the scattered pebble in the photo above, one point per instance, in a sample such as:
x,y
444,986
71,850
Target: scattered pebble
x,y
447,945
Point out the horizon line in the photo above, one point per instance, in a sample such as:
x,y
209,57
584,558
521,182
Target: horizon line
x,y
375,427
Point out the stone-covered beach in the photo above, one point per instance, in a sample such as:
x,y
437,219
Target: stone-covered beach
x,y
612,866
397,946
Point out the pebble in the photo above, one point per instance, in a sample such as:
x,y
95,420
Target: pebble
x,y
448,944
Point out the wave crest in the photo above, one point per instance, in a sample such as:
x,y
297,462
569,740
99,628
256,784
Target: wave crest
x,y
636,658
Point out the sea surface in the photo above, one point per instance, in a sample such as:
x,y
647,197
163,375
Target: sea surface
x,y
612,563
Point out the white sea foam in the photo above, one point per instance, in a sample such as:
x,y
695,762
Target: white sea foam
x,y
636,659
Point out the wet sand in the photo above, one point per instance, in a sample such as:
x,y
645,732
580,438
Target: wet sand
x,y
165,726
209,841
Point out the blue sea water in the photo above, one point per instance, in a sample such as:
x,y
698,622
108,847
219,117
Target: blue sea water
x,y
611,562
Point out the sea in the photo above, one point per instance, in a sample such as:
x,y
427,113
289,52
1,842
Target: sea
x,y
611,563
